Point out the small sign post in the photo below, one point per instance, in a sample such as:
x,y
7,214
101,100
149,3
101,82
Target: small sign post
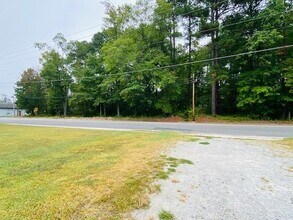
x,y
36,111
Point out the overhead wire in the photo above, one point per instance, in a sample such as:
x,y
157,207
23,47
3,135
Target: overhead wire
x,y
229,25
83,30
245,21
204,31
172,66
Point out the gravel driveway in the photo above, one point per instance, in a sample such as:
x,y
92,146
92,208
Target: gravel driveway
x,y
230,179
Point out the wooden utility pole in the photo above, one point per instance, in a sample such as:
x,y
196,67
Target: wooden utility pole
x,y
65,102
193,98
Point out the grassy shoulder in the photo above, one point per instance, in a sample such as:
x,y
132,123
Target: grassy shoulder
x,y
286,143
284,148
59,173
199,119
237,119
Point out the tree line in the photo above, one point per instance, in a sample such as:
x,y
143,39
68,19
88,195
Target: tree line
x,y
142,62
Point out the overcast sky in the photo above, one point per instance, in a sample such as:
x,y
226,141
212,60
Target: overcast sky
x,y
24,22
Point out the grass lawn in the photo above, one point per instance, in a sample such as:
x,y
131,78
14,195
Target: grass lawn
x,y
56,173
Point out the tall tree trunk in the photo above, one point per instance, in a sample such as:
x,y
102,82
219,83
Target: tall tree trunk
x,y
189,47
283,86
65,107
189,58
83,109
171,47
118,110
172,35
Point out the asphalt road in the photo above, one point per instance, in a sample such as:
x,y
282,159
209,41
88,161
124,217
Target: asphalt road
x,y
239,130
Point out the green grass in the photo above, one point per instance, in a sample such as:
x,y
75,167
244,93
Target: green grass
x,y
236,119
170,163
55,173
193,139
163,175
164,215
204,143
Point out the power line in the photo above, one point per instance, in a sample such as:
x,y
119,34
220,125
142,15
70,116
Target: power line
x,y
37,57
244,21
46,97
83,30
225,26
9,56
49,41
20,61
154,43
92,35
146,46
211,59
172,66
38,51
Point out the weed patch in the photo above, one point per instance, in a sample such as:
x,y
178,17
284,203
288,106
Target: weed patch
x,y
193,139
164,215
204,143
170,163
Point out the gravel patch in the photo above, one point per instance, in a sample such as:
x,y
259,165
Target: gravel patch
x,y
230,179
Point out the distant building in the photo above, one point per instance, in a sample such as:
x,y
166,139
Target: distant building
x,y
10,110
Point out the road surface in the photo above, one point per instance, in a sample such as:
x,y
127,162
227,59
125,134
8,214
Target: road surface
x,y
240,130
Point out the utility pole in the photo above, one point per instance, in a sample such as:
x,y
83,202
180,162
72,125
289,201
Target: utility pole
x,y
13,104
193,98
65,102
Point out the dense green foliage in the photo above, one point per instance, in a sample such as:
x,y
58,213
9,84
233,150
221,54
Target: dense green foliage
x,y
142,61
30,92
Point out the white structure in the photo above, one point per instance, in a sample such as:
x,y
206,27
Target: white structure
x,y
10,110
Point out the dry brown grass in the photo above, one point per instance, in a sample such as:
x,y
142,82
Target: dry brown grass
x,y
287,143
284,148
55,173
